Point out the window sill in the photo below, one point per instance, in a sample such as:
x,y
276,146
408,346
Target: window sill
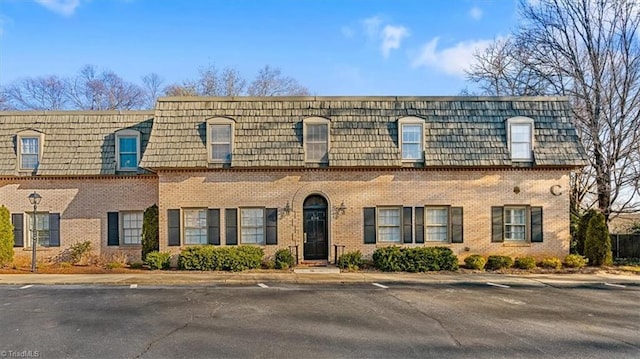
x,y
517,244
130,246
38,249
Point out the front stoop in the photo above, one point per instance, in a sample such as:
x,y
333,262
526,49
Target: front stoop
x,y
316,270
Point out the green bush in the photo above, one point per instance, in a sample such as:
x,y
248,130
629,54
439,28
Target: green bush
x,y
78,251
551,262
578,243
575,261
209,258
6,237
475,261
525,263
284,259
158,260
416,259
150,235
350,260
597,245
498,262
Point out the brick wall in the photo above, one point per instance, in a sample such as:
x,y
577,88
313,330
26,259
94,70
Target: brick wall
x,y
83,204
474,190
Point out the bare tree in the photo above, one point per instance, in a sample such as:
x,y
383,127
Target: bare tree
x,y
181,90
271,82
91,90
152,84
589,51
36,93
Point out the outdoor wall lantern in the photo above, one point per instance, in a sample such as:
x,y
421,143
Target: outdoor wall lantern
x,y
339,210
285,210
34,199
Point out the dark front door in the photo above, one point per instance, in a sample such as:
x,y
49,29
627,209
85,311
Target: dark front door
x,y
316,245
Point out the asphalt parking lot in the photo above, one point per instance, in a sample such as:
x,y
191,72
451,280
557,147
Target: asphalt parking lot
x,y
352,320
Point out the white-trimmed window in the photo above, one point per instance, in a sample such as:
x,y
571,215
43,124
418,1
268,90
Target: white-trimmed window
x,y
127,150
195,225
131,227
252,226
220,139
437,224
389,224
29,149
411,134
316,140
520,137
42,229
515,223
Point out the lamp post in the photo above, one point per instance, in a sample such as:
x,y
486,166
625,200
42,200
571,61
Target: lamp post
x,y
34,199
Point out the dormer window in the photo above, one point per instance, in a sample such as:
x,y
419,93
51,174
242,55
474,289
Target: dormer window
x,y
29,149
411,133
220,140
520,138
127,150
316,140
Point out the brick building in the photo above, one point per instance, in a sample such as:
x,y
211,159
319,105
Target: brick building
x,y
485,175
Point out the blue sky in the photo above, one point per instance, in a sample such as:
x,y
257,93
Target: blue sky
x,y
333,47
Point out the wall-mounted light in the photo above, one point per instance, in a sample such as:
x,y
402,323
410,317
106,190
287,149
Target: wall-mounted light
x,y
286,210
339,210
516,189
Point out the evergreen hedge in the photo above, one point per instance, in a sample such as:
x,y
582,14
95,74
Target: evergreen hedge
x,y
597,245
415,259
150,235
208,258
6,237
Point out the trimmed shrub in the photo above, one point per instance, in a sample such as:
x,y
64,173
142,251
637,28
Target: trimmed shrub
x,y
525,263
150,235
597,245
575,261
350,260
209,258
551,262
416,259
284,259
498,262
6,237
158,260
475,261
578,245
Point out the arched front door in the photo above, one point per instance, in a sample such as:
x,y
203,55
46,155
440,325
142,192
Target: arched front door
x,y
316,241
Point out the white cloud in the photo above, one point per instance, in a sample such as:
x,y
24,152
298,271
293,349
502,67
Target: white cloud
x,y
452,60
372,26
392,37
63,7
475,13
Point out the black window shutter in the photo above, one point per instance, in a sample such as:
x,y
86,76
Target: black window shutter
x,y
213,226
369,225
497,224
456,225
407,225
173,221
54,229
419,224
231,223
18,229
113,229
272,225
536,224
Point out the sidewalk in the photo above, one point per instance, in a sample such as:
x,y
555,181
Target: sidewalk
x,y
165,278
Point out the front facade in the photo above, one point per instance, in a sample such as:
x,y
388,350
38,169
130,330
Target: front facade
x,y
318,175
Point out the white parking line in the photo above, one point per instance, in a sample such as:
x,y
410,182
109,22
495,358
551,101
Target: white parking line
x,y
26,286
262,285
498,285
380,285
615,285
133,286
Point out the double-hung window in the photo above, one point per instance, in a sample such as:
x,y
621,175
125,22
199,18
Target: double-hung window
x,y
220,140
389,224
437,224
520,133
42,229
316,140
252,226
411,135
29,152
515,223
131,227
127,150
195,226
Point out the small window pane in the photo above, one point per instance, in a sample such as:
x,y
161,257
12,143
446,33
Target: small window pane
x,y
220,142
42,229
316,142
411,133
132,227
221,152
128,145
29,152
195,226
411,142
389,225
220,133
515,224
128,161
520,150
252,222
437,226
520,133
